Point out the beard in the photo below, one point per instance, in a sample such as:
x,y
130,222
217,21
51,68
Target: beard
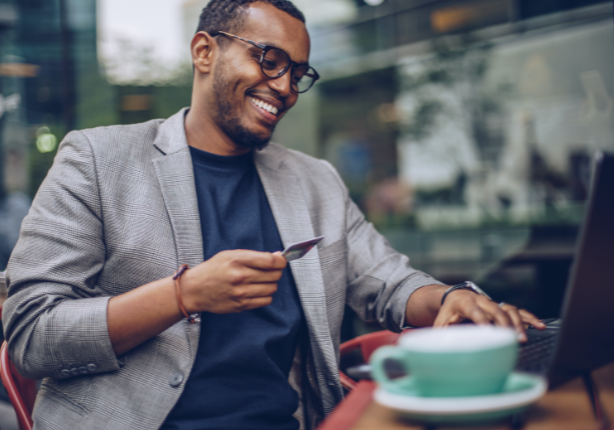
x,y
229,120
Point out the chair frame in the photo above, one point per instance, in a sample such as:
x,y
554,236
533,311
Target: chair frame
x,y
21,391
367,343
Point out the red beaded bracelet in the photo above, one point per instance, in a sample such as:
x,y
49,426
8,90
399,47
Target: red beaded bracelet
x,y
177,278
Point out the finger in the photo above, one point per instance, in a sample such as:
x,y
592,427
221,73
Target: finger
x,y
442,318
478,316
279,260
256,291
446,312
255,303
462,306
255,276
529,318
262,260
450,311
242,275
498,315
514,315
453,319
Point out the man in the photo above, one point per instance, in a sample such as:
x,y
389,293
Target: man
x,y
93,307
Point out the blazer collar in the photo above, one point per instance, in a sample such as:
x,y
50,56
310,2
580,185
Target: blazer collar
x,y
171,134
176,178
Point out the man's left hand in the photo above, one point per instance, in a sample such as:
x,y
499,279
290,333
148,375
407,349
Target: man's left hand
x,y
465,305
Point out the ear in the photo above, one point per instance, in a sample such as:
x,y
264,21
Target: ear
x,y
203,49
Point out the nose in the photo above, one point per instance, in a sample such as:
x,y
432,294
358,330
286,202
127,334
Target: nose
x,y
283,84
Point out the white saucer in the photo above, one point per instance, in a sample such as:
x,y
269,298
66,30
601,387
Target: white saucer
x,y
521,389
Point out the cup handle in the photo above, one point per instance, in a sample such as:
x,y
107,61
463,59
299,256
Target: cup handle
x,y
377,364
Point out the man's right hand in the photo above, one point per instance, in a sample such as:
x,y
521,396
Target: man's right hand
x,y
232,281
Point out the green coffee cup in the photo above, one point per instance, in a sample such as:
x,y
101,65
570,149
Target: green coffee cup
x,y
456,361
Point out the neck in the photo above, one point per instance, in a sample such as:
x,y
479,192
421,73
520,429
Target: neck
x,y
202,133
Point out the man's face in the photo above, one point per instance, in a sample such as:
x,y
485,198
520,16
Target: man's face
x,y
247,104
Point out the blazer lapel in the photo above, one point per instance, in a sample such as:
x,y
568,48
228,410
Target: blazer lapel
x,y
285,196
176,177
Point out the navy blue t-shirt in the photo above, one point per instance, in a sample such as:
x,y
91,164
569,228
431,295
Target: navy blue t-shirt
x,y
240,376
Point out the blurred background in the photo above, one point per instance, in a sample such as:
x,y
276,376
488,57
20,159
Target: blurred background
x,y
464,129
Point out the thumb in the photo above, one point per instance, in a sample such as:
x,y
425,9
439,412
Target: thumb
x,y
443,316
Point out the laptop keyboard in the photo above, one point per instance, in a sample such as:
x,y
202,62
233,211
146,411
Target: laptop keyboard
x,y
536,354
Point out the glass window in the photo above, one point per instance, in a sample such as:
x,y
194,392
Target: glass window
x,y
465,130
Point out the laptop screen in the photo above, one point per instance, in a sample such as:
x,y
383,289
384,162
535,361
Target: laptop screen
x,y
587,333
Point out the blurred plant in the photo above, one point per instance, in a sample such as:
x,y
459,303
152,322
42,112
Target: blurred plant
x,y
451,84
136,64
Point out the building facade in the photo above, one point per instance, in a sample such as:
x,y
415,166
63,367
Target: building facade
x,y
50,83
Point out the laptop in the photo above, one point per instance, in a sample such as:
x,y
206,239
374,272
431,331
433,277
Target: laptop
x,y
583,339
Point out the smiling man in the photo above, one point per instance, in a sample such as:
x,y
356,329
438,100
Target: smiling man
x,y
243,88
147,287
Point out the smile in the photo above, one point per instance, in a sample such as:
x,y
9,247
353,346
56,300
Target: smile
x,y
263,105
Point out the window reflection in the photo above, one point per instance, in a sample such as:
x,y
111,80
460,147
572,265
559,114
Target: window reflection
x,y
463,129
480,118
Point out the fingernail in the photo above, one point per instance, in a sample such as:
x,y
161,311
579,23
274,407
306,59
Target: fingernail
x,y
522,337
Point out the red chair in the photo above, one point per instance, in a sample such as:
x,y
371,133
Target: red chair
x,y
367,344
21,391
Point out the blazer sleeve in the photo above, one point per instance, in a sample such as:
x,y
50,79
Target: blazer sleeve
x,y
55,318
380,279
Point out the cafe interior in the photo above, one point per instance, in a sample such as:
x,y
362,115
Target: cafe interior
x,y
475,135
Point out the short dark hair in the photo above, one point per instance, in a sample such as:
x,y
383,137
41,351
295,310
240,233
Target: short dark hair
x,y
229,15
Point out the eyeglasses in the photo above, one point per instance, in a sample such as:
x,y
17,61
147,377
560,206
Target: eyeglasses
x,y
274,63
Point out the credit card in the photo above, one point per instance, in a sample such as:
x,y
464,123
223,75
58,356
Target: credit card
x,y
299,249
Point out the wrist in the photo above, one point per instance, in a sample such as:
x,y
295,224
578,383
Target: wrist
x,y
458,295
463,286
177,277
423,305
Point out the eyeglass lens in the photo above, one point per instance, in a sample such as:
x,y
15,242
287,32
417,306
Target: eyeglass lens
x,y
275,63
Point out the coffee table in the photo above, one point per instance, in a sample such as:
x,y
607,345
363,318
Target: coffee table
x,y
566,408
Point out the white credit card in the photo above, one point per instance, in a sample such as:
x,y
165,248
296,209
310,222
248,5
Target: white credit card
x,y
299,249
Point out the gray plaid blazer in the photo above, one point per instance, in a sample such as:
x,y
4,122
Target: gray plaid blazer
x,y
117,210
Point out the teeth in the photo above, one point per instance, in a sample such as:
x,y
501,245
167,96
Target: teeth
x,y
265,106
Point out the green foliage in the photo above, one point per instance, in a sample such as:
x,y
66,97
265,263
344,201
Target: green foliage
x,y
424,119
169,99
136,64
451,83
95,102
